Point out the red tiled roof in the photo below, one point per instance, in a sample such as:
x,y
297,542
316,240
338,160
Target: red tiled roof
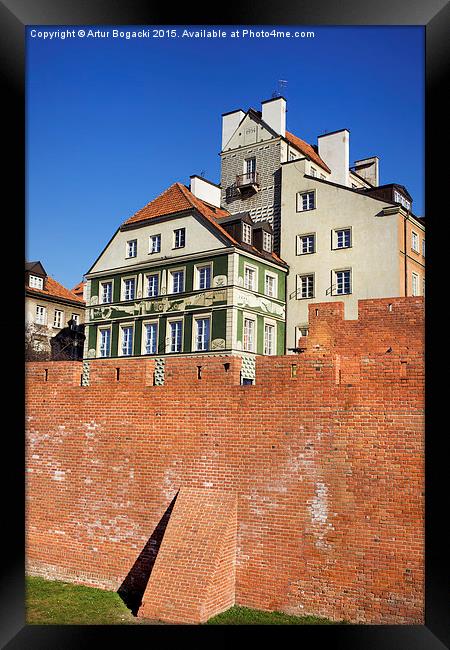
x,y
177,198
307,150
78,289
55,290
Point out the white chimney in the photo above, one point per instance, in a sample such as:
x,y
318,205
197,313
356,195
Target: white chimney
x,y
205,190
230,122
274,114
334,149
368,169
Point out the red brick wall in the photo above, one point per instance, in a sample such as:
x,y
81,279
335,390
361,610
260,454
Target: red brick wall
x,y
325,459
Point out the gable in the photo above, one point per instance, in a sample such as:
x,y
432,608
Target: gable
x,y
200,237
249,131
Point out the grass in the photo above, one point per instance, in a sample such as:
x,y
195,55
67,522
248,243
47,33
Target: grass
x,y
244,616
51,602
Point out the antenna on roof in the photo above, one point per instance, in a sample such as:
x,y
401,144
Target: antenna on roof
x,y
202,173
282,83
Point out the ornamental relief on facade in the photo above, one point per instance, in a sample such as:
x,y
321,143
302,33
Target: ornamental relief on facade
x,y
265,305
158,306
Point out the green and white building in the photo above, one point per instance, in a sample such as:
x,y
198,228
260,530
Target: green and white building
x,y
183,276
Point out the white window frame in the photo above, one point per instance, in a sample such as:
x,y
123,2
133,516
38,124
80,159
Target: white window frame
x,y
250,166
335,291
169,335
415,284
300,239
122,327
273,325
99,342
251,319
195,335
175,235
36,282
274,277
129,248
313,171
60,322
299,286
415,241
336,232
308,194
144,336
147,276
123,294
101,292
151,240
181,269
76,318
197,269
41,316
267,241
246,233
423,247
255,277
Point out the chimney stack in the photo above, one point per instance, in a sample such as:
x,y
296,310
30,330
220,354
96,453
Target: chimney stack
x,y
368,169
274,114
205,190
334,149
230,122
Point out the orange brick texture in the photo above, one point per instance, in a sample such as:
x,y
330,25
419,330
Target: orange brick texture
x,y
194,574
324,456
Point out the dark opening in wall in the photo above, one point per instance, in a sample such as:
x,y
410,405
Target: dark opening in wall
x,y
117,374
199,372
46,374
226,366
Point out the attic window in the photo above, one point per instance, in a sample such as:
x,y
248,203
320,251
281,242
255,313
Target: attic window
x,y
399,198
246,233
267,241
36,282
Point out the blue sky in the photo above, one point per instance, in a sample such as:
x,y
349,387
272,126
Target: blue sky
x,y
113,122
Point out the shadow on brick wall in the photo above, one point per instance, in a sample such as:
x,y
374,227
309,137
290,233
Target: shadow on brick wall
x,y
133,587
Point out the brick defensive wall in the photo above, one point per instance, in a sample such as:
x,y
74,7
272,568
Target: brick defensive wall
x,y
302,493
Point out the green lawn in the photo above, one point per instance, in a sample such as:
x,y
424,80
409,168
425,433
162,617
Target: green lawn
x,y
50,602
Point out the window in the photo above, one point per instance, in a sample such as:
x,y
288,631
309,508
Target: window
x,y
322,176
152,285
41,315
399,198
305,286
249,278
343,282
176,328
423,247
305,201
126,340
249,334
423,286
132,248
105,342
306,244
250,167
267,241
36,283
177,281
155,244
313,172
179,238
415,241
292,155
204,277
58,319
415,284
269,339
246,233
76,318
129,288
202,329
151,338
270,286
343,238
105,292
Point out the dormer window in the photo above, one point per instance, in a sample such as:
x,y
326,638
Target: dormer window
x,y
36,282
399,198
246,233
267,241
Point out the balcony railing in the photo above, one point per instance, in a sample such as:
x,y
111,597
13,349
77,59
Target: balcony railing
x,y
250,179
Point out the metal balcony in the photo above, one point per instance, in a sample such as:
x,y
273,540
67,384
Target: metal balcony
x,y
248,181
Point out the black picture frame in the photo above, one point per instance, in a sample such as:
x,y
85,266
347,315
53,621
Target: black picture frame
x,y
15,16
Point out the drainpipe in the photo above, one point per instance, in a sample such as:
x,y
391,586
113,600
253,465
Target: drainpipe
x,y
405,219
